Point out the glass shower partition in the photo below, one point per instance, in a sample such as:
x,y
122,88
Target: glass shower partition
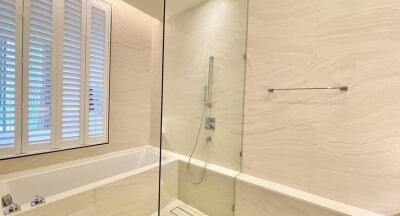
x,y
203,93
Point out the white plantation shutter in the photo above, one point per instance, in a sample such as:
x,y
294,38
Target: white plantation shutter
x,y
9,78
73,72
40,71
7,72
97,64
54,74
96,76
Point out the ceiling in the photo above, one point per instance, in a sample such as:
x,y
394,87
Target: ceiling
x,y
177,6
155,7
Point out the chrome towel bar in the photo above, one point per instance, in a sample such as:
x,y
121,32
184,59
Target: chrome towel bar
x,y
341,88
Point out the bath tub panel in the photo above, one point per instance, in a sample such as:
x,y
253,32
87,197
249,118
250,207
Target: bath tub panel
x,y
256,201
71,206
86,212
57,181
122,183
134,195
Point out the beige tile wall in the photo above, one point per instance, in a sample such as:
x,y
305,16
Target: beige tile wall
x,y
81,204
130,78
156,70
135,195
255,201
214,196
216,28
169,183
343,146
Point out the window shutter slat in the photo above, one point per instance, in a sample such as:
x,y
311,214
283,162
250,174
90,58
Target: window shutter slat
x,y
7,73
72,70
40,67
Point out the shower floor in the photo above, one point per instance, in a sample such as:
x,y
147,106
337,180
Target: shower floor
x,y
179,208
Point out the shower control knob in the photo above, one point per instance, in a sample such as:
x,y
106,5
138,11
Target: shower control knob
x,y
210,123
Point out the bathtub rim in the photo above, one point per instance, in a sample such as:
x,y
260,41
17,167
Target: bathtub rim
x,y
183,158
73,163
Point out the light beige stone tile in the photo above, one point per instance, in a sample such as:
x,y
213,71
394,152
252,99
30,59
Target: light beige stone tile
x,y
66,207
156,70
86,212
256,201
137,194
339,146
169,183
214,196
179,208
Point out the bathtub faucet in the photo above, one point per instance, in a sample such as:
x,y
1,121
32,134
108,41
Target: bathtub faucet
x,y
38,200
8,204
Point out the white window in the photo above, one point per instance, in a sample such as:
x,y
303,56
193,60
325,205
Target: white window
x,y
54,70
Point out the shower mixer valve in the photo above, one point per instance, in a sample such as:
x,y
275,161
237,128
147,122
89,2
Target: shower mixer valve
x,y
210,123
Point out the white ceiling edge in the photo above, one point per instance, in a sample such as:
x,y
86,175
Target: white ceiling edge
x,y
155,8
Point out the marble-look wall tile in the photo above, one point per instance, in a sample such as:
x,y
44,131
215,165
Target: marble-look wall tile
x,y
212,28
214,196
255,201
85,212
130,90
169,183
135,195
156,70
131,77
71,206
343,146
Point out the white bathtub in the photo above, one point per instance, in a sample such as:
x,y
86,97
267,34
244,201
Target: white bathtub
x,y
68,179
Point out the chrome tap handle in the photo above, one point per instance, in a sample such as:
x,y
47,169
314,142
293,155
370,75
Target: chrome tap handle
x,y
38,200
13,207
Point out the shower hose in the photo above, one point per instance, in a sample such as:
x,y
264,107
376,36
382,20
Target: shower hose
x,y
194,149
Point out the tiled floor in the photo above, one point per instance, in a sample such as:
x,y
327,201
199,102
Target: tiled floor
x,y
179,208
